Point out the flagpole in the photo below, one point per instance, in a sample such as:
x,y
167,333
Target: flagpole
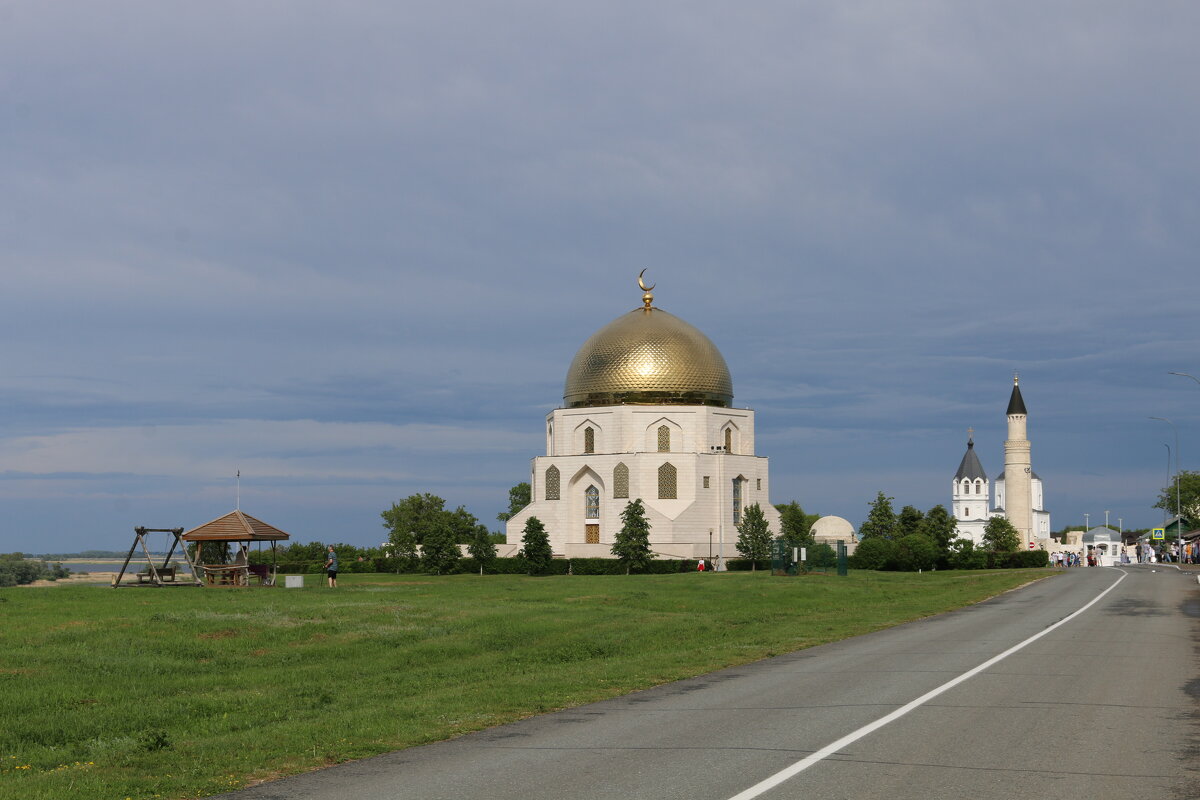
x,y
239,490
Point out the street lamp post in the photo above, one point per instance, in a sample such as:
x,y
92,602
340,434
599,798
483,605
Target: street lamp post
x,y
1165,511
1180,531
1178,519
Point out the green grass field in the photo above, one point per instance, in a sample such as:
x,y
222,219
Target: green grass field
x,y
184,692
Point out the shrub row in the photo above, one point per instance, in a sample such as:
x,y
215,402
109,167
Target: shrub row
x,y
513,566
919,552
1021,559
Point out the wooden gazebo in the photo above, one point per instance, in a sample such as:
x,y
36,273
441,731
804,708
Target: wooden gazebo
x,y
240,529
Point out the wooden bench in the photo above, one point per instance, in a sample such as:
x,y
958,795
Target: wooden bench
x,y
164,574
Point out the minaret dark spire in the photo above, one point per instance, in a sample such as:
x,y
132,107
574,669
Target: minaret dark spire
x,y
1016,405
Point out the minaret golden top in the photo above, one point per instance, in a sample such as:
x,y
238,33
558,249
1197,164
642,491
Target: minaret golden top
x,y
1016,378
647,298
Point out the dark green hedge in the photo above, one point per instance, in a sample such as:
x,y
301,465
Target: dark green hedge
x,y
1021,559
746,564
508,566
611,566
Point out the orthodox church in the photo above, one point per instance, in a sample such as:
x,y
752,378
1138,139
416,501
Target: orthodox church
x,y
647,413
1018,490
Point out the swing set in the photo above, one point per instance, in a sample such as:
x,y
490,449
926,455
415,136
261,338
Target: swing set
x,y
158,574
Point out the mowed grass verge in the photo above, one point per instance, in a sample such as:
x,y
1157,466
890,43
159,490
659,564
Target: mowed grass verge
x,y
184,692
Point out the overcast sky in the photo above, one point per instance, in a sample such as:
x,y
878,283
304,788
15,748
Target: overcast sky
x,y
350,248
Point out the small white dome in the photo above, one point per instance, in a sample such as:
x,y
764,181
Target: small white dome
x,y
832,529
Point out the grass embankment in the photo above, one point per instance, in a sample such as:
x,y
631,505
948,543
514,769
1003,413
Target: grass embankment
x,y
182,692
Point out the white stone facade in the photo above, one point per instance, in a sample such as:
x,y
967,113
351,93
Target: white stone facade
x,y
1040,517
971,504
673,457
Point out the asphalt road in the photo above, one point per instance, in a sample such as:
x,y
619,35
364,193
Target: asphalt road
x,y
1103,706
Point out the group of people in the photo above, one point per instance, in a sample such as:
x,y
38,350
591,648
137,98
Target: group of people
x,y
1066,558
1145,552
1168,554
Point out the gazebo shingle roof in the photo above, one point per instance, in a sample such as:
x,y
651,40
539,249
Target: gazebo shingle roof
x,y
235,527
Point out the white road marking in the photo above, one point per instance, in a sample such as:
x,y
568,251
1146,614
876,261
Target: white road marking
x,y
825,752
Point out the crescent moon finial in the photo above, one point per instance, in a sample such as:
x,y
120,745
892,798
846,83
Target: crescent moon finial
x,y
647,298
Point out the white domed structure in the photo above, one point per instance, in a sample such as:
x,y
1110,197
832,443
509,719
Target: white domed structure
x,y
832,529
647,413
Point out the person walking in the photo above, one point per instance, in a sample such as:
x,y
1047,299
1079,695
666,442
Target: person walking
x,y
331,567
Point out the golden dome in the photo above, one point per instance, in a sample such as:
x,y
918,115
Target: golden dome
x,y
648,356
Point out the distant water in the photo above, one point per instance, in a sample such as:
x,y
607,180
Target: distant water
x,y
135,565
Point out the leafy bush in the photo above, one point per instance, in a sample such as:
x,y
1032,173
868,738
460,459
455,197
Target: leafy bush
x,y
668,566
16,570
746,564
874,553
915,552
964,555
821,556
597,566
1019,559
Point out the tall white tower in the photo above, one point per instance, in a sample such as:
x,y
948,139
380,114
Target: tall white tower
x,y
1018,495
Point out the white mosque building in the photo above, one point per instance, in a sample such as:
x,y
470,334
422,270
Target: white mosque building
x,y
647,413
1021,501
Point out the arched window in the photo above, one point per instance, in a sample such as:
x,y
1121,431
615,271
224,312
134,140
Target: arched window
x,y
737,500
621,480
729,440
978,487
591,497
552,483
664,439
667,482
589,440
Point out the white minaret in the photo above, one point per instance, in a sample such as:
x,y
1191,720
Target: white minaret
x,y
1018,495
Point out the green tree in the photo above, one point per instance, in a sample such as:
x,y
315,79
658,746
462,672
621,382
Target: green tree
x,y
964,555
440,551
402,548
413,516
908,522
1189,497
822,555
795,527
536,552
519,496
632,546
482,548
940,526
874,553
1000,536
916,552
754,535
881,520
212,553
463,524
